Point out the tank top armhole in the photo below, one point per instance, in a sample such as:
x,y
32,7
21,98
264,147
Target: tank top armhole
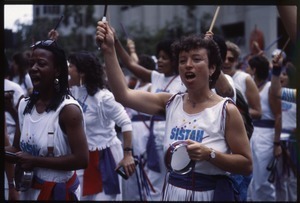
x,y
223,122
172,98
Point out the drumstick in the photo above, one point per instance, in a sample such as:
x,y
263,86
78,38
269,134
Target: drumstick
x,y
214,19
268,47
105,11
61,17
283,48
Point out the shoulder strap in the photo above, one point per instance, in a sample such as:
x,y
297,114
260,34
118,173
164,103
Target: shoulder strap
x,y
172,98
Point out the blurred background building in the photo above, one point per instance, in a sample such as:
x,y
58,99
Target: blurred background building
x,y
237,23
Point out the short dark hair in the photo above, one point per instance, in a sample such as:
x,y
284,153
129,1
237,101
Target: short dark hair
x,y
222,46
147,61
166,46
194,41
88,63
261,64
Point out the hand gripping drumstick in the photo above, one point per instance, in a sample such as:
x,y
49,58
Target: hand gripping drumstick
x,y
214,19
103,18
283,48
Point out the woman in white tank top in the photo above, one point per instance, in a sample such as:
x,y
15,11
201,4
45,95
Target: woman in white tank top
x,y
219,144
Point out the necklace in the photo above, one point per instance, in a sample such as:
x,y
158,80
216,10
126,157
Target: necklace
x,y
195,103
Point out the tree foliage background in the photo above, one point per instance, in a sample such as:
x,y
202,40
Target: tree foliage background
x,y
144,41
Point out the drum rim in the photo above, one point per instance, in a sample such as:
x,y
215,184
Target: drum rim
x,y
168,158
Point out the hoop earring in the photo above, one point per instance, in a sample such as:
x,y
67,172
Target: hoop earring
x,y
209,79
56,85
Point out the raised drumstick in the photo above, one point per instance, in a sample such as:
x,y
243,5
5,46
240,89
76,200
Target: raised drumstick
x,y
214,19
283,48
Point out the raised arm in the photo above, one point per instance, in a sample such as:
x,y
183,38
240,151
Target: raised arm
x,y
288,15
134,99
130,63
132,51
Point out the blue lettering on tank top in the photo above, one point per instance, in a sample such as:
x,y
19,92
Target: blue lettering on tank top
x,y
183,134
199,135
29,148
174,133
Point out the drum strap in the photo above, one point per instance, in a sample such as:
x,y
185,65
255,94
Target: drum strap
x,y
221,184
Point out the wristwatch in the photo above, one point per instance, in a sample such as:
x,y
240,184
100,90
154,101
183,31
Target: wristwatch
x,y
212,154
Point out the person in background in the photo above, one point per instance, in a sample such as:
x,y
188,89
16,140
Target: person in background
x,y
287,167
52,144
137,187
265,141
224,85
13,93
11,193
20,66
242,80
100,181
216,151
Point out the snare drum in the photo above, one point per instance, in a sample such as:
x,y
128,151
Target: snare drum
x,y
177,158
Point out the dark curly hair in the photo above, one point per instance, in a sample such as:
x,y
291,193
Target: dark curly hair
x,y
87,63
194,41
60,63
166,46
262,66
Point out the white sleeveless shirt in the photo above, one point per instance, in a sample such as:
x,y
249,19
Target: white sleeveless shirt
x,y
34,138
206,127
239,79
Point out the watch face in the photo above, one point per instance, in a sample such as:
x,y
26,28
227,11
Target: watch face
x,y
212,154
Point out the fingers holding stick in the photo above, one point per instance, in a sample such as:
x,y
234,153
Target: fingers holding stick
x,y
99,42
277,58
53,34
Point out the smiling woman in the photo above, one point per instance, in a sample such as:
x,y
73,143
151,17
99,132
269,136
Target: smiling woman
x,y
16,14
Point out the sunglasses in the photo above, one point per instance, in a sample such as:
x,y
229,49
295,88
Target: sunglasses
x,y
45,43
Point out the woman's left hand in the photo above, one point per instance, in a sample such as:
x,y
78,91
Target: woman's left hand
x,y
128,163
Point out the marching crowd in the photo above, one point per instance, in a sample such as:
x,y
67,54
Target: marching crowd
x,y
192,125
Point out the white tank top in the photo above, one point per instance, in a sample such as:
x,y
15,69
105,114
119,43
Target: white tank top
x,y
239,79
34,138
206,127
267,113
289,111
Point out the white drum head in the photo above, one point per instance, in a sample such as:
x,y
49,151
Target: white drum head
x,y
180,158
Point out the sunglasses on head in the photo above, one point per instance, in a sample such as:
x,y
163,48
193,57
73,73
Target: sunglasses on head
x,y
46,43
230,59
